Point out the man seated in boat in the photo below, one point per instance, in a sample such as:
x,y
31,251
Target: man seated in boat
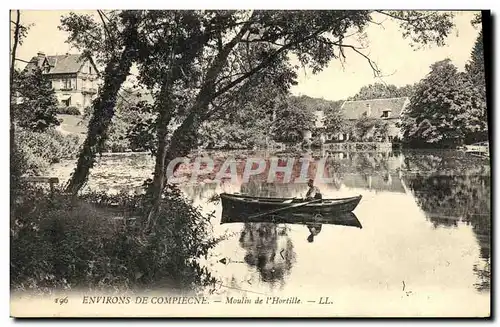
x,y
313,192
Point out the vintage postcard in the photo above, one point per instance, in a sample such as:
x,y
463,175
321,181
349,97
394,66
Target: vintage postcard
x,y
250,163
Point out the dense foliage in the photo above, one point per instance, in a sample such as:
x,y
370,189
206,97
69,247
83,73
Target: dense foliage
x,y
293,118
35,105
36,151
475,66
446,109
125,131
368,129
59,243
219,134
269,117
74,111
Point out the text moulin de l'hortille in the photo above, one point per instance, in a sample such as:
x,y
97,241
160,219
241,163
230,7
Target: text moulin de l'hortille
x,y
264,300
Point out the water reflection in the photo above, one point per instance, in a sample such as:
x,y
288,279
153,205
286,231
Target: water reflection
x,y
269,249
314,230
450,200
268,246
449,189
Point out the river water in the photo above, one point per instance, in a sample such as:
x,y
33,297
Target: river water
x,y
423,247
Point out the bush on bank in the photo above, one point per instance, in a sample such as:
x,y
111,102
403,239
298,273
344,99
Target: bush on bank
x,y
58,242
37,150
74,111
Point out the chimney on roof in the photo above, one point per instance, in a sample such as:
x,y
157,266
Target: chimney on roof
x,y
41,54
368,109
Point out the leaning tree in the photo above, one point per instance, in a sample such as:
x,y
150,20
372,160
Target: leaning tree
x,y
197,63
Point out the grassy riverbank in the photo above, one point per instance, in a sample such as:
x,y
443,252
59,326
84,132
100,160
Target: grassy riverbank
x,y
59,242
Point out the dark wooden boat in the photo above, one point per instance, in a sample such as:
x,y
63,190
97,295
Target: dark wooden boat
x,y
252,205
348,219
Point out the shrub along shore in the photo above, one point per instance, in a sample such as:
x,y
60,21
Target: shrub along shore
x,y
60,242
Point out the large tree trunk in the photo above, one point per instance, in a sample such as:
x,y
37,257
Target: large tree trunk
x,y
185,136
182,141
159,172
115,74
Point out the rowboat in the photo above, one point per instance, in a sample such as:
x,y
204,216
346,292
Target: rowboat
x,y
348,219
252,205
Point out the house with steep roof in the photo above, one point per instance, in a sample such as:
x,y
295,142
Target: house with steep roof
x,y
74,77
388,110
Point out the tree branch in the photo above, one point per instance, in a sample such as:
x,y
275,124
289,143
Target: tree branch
x,y
106,28
266,62
22,60
217,107
261,40
378,23
105,16
14,47
401,18
224,53
373,64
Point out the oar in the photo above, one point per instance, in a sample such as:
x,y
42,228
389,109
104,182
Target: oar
x,y
297,205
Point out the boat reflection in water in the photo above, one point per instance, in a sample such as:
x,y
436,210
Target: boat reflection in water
x,y
311,220
268,246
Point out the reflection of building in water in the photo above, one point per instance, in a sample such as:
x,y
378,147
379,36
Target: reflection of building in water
x,y
379,171
269,250
258,185
290,179
387,182
391,159
256,188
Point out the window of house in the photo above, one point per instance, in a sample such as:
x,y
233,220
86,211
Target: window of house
x,y
386,114
67,84
90,69
391,138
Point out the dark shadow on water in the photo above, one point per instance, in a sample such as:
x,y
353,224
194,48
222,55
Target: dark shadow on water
x,y
269,249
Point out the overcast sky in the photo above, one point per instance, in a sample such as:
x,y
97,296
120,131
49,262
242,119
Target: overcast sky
x,y
386,47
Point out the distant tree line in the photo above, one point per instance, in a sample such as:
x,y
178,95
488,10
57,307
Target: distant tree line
x,y
383,91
